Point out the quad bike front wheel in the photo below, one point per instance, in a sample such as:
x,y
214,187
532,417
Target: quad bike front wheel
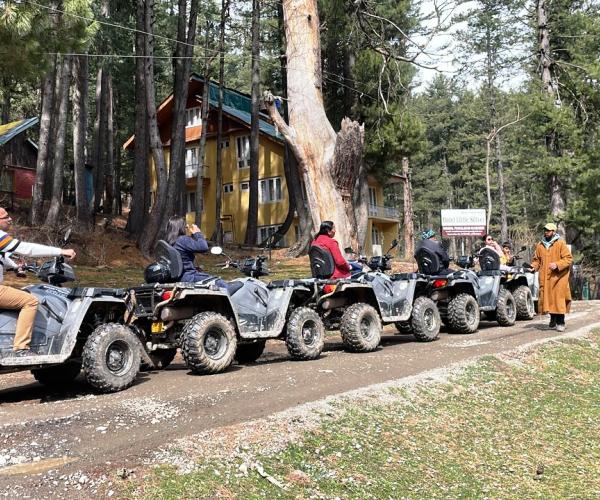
x,y
305,334
525,304
209,343
506,308
425,320
360,328
111,357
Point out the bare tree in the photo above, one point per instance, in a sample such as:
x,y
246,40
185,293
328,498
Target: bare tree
x,y
330,164
409,229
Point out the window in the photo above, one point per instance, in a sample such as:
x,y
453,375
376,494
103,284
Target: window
x,y
245,186
191,162
269,190
372,202
192,117
375,236
228,188
265,231
243,151
224,143
191,202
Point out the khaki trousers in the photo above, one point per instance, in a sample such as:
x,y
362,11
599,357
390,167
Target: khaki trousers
x,y
11,298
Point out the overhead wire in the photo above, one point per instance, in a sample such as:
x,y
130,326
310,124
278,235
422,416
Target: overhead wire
x,y
162,37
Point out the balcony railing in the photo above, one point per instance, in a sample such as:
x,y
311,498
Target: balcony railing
x,y
383,212
191,171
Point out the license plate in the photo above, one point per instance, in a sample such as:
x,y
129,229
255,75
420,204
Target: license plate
x,y
158,327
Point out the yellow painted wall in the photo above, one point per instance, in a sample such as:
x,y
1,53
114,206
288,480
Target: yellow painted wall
x,y
234,211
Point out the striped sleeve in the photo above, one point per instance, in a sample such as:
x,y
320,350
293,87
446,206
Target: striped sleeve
x,y
8,243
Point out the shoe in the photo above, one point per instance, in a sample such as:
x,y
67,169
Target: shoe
x,y
552,324
23,353
560,328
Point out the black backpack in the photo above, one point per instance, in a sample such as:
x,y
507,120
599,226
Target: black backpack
x,y
322,265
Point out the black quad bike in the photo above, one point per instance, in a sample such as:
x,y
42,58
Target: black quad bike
x,y
462,295
213,325
76,330
402,298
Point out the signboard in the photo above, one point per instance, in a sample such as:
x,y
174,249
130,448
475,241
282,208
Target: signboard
x,y
468,222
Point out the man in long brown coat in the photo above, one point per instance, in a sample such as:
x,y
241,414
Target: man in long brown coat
x,y
553,260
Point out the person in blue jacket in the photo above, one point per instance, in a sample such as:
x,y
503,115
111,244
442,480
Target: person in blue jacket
x,y
188,247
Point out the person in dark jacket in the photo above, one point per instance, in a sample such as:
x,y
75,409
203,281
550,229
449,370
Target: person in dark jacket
x,y
430,242
325,239
188,247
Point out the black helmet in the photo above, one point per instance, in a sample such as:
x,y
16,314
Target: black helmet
x,y
157,272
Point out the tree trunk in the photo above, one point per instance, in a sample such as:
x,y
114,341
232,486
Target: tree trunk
x,y
175,203
330,164
140,193
409,231
46,126
449,198
152,227
252,223
203,133
100,138
218,233
502,191
117,207
488,188
59,149
6,99
109,171
80,115
546,64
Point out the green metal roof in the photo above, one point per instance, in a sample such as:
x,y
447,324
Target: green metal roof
x,y
10,130
239,106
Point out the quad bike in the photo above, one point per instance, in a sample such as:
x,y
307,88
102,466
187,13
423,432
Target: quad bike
x,y
213,325
518,280
462,295
75,330
402,298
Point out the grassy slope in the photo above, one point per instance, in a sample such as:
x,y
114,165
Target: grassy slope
x,y
518,430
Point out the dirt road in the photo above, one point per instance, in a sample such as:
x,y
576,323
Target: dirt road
x,y
48,438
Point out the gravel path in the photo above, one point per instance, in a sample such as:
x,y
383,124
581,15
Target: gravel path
x,y
74,443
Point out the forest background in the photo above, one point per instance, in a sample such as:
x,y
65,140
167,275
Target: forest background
x,y
513,127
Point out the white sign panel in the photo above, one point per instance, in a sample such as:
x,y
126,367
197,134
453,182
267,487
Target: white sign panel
x,y
467,222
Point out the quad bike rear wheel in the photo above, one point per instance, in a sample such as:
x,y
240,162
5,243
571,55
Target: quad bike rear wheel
x,y
360,328
209,343
525,304
305,335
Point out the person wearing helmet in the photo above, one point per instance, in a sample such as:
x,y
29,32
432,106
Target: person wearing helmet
x,y
553,260
429,241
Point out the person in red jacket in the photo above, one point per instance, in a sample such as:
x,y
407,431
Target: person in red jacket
x,y
324,239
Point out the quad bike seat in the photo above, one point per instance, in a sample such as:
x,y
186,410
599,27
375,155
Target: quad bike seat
x,y
234,286
322,265
168,267
428,262
489,260
282,283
